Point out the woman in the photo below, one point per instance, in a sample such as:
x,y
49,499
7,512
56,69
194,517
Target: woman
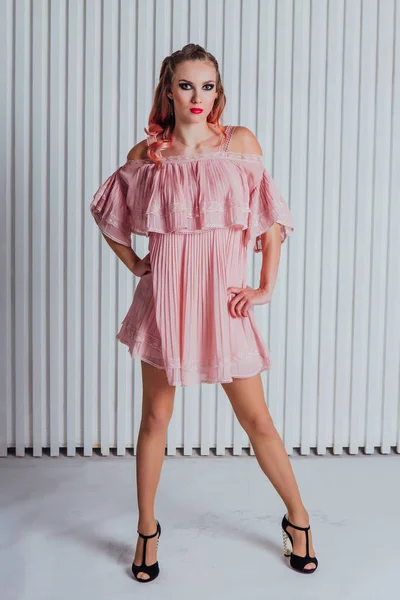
x,y
191,320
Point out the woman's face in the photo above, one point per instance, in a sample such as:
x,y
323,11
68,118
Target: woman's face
x,y
194,86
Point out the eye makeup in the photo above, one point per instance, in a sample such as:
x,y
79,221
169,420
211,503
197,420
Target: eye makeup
x,y
208,84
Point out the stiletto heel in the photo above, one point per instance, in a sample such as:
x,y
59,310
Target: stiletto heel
x,y
297,562
151,570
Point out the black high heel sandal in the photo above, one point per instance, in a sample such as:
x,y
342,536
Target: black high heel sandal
x,y
151,570
297,562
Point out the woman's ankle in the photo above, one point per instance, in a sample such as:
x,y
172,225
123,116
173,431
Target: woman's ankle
x,y
298,517
147,525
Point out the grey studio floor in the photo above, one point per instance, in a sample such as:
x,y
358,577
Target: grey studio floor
x,y
68,528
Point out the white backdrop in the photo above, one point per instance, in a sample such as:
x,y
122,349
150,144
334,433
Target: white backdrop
x,y
318,82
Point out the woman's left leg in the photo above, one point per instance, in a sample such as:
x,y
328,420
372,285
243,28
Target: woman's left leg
x,y
248,403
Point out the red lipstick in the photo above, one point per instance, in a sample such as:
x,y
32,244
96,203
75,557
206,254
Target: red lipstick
x,y
196,111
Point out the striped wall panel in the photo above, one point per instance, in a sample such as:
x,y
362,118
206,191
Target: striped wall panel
x,y
318,82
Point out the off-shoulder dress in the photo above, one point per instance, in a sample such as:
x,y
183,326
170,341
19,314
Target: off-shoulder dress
x,y
201,213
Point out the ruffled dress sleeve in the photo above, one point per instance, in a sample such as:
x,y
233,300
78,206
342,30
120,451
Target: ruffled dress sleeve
x,y
267,206
110,210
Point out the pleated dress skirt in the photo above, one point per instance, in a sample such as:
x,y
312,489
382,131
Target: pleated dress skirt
x,y
179,319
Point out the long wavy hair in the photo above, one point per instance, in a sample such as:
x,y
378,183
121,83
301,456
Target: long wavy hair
x,y
162,118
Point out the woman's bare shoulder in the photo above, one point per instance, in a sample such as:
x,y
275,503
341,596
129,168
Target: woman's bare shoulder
x,y
139,151
243,140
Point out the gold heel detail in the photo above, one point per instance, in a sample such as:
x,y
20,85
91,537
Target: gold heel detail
x,y
287,545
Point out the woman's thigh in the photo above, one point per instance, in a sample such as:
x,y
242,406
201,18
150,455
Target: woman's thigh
x,y
158,394
248,402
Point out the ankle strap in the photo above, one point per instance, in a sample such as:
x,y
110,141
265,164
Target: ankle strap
x,y
295,526
147,537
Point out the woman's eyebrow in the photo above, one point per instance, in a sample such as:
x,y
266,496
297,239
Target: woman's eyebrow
x,y
209,81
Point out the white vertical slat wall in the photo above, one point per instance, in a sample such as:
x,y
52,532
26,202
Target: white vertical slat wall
x,y
318,82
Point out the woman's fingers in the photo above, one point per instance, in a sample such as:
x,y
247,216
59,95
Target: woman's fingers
x,y
238,306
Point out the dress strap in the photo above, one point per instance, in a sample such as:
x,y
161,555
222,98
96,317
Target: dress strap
x,y
225,141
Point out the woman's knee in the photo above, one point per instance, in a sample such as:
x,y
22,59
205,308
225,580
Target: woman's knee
x,y
155,420
248,403
260,425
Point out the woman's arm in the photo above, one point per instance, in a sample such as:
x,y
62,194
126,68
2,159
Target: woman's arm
x,y
127,255
271,254
271,239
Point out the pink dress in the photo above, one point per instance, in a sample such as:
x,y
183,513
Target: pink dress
x,y
200,214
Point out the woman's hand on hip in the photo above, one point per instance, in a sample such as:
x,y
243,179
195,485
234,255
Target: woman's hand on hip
x,y
142,267
245,298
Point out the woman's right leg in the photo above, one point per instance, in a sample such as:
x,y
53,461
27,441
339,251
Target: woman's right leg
x,y
157,409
